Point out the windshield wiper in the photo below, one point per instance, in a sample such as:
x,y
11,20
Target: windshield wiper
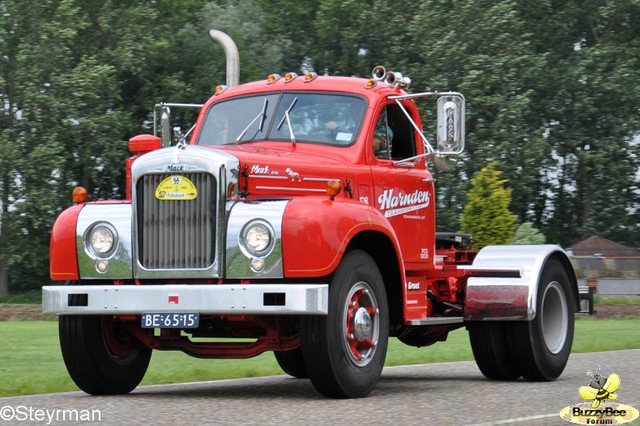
x,y
286,117
262,115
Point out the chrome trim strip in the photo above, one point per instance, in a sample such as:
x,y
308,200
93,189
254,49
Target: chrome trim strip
x,y
310,179
269,177
286,188
313,179
274,299
436,321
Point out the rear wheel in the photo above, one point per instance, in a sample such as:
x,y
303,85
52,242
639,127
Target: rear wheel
x,y
345,350
292,363
543,344
538,349
491,350
101,356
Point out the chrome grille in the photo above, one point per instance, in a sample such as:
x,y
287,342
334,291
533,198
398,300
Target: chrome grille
x,y
176,234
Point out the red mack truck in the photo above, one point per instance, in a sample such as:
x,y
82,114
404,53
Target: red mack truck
x,y
298,217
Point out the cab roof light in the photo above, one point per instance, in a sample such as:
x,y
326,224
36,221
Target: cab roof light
x,y
273,78
220,88
79,194
370,84
290,76
310,76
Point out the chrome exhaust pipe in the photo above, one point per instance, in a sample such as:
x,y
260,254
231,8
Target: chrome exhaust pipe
x,y
231,52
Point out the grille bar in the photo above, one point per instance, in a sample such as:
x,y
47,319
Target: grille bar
x,y
176,234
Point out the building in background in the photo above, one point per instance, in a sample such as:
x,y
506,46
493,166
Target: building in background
x,y
608,267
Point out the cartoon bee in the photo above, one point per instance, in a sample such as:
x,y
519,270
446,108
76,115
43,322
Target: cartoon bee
x,y
600,389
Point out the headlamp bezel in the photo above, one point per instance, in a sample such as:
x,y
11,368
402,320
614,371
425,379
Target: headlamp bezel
x,y
265,229
109,232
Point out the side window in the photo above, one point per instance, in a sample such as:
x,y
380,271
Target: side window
x,y
393,138
403,143
382,137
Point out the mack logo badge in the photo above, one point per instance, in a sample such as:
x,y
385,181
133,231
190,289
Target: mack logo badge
x,y
176,168
176,188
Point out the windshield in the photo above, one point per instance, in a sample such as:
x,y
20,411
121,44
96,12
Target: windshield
x,y
294,117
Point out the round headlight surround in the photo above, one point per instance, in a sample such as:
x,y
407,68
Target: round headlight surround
x,y
257,238
101,239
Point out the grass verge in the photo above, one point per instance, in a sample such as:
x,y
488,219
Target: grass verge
x,y
31,362
32,296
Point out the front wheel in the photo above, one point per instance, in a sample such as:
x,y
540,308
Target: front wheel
x,y
101,356
344,351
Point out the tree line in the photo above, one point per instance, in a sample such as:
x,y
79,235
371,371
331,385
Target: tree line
x,y
552,89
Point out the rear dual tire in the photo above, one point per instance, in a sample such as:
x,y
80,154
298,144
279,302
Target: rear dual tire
x,y
538,349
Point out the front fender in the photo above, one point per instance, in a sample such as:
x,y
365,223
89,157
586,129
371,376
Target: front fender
x,y
316,232
63,260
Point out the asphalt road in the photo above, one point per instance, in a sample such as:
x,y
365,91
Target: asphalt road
x,y
429,394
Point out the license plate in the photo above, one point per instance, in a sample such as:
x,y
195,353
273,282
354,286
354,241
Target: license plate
x,y
170,320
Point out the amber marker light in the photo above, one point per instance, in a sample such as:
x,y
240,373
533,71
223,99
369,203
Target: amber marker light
x,y
370,84
273,78
220,88
290,76
333,187
79,194
310,76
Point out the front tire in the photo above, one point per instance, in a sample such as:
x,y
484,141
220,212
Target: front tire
x,y
344,351
101,356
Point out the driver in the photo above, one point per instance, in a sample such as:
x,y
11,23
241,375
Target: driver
x,y
382,143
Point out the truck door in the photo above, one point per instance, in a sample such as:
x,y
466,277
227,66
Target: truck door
x,y
404,194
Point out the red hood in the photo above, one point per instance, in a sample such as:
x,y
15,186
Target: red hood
x,y
285,169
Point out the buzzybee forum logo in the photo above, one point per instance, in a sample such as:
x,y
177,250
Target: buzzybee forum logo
x,y
599,407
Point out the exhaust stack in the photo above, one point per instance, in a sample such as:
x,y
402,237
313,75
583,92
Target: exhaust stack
x,y
231,52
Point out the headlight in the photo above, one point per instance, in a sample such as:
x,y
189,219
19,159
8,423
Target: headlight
x,y
101,239
257,238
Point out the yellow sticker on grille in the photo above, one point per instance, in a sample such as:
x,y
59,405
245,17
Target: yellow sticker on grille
x,y
176,187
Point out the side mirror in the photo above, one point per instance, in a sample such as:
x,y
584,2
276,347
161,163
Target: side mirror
x,y
450,124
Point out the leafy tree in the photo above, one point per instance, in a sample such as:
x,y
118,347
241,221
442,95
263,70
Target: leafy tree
x,y
288,28
596,126
526,233
487,216
64,126
487,53
38,53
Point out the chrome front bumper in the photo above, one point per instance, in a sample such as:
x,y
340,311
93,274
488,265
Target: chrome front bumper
x,y
265,299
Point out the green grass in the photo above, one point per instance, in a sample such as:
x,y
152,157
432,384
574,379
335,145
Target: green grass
x,y
616,300
32,296
31,362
